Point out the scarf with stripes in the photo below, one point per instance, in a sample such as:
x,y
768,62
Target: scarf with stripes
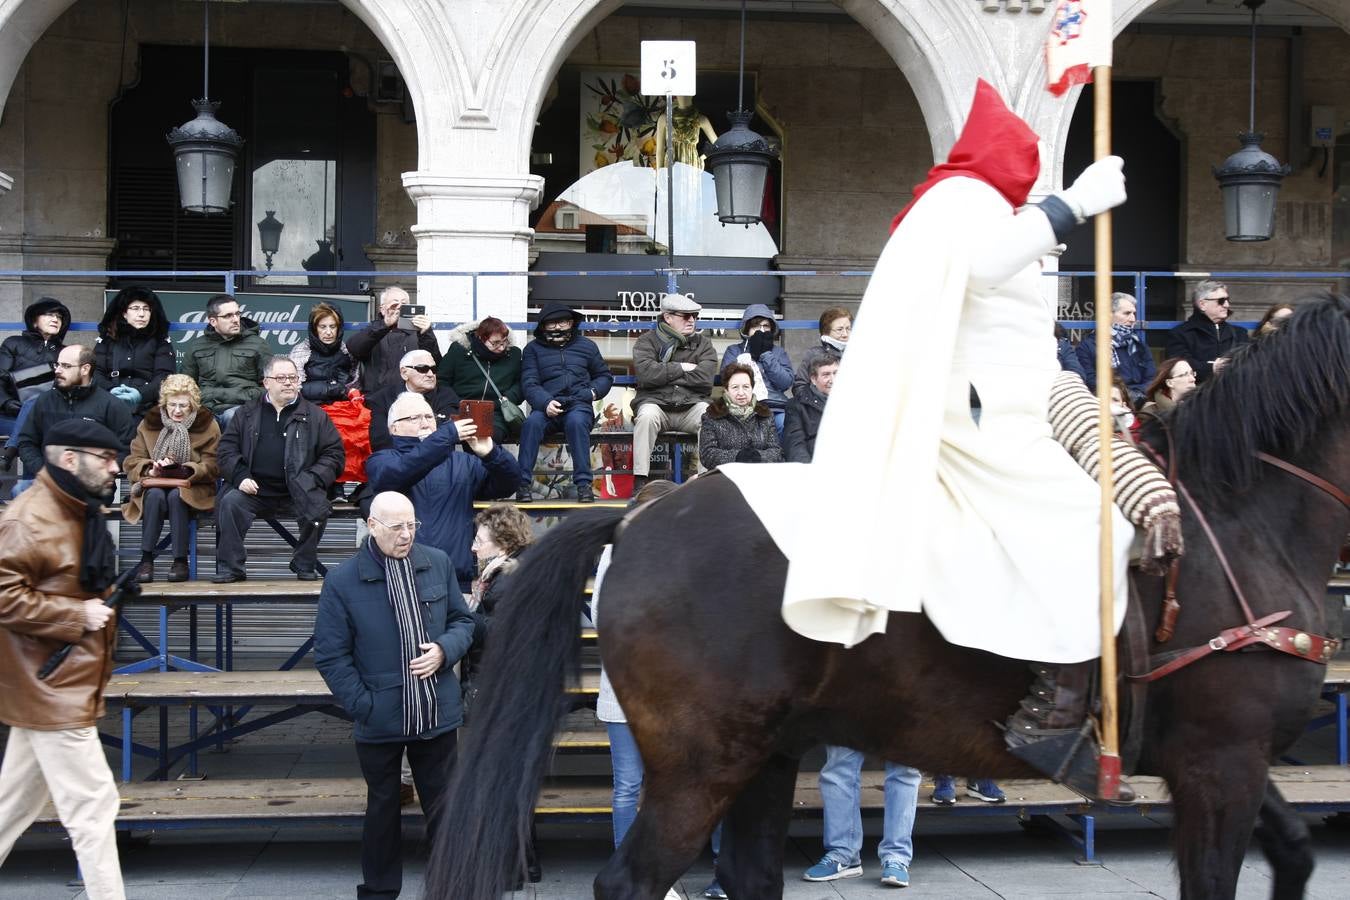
x,y
419,694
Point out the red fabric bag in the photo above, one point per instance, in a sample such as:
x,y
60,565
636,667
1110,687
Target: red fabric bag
x,y
353,423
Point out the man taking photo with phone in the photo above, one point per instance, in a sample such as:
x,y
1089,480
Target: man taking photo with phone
x,y
380,346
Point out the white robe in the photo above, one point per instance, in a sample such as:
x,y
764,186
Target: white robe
x,y
991,529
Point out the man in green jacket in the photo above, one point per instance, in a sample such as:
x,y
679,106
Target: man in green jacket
x,y
226,361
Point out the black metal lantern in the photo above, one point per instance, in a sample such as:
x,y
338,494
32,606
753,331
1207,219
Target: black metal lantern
x,y
739,160
1250,178
205,148
269,236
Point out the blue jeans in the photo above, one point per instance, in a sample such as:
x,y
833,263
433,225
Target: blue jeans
x,y
16,423
840,790
627,764
575,424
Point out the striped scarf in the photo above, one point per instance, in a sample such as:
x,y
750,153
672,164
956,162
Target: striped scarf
x,y
419,694
1142,493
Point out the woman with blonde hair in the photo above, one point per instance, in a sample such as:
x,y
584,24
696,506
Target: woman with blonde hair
x,y
172,470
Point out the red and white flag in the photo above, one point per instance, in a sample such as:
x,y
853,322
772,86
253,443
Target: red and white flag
x,y
1079,41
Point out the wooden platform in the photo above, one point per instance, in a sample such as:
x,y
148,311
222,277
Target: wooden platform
x,y
205,593
1338,672
173,804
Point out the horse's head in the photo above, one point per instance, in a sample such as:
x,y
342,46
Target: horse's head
x,y
1286,394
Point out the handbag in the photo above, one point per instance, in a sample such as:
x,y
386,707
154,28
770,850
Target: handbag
x,y
156,481
511,412
32,380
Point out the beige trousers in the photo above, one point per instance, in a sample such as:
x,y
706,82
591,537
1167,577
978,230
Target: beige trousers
x,y
651,420
69,768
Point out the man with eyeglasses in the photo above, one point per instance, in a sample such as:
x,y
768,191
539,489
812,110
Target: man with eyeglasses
x,y
74,396
390,627
675,366
381,346
280,455
1207,337
226,359
417,375
57,562
422,464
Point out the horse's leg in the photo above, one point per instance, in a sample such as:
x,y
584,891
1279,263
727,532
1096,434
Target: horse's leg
x,y
1286,842
1215,800
750,864
678,813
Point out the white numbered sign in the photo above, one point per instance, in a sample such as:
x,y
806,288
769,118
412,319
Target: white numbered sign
x,y
668,68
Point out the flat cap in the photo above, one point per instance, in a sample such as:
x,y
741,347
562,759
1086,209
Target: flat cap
x,y
678,303
81,433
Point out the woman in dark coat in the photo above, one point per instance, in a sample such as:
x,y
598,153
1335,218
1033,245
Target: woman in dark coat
x,y
477,351
133,355
327,369
736,428
26,362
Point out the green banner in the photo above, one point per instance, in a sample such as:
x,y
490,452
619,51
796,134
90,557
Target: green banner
x,y
187,314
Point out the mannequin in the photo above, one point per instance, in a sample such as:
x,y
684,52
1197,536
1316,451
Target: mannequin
x,y
689,124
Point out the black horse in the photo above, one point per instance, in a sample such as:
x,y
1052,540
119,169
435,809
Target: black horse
x,y
724,699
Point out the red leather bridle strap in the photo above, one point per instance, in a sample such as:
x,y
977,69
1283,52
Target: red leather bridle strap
x,y
1316,481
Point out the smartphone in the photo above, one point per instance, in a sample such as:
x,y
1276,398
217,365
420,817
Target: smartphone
x,y
405,315
480,411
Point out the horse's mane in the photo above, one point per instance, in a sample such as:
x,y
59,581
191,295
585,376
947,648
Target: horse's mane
x,y
1274,395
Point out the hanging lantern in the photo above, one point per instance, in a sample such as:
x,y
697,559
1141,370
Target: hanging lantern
x,y
739,160
1250,182
204,149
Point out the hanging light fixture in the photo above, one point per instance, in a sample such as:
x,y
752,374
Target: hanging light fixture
x,y
740,159
205,148
269,236
1250,178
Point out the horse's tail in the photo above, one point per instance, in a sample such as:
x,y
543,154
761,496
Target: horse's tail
x,y
533,649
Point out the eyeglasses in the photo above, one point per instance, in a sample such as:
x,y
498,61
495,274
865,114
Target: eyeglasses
x,y
108,457
498,341
1181,375
420,417
178,406
230,315
1222,301
688,317
61,365
840,330
409,527
421,370
138,308
284,379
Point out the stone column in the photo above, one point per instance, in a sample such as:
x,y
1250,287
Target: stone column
x,y
473,223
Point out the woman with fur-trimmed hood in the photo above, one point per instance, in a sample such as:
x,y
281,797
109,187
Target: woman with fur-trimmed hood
x,y
736,428
133,355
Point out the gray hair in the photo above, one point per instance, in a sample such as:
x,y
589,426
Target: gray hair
x,y
270,365
387,291
393,407
1120,296
406,359
1204,289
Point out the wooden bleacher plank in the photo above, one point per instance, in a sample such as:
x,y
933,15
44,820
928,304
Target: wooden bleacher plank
x,y
553,505
1339,584
1338,672
203,592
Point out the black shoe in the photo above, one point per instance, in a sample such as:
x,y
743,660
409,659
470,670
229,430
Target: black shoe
x,y
584,492
228,577
7,457
179,570
304,574
524,494
146,572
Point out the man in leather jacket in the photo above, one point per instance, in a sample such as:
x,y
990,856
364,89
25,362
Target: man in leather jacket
x,y
280,454
57,561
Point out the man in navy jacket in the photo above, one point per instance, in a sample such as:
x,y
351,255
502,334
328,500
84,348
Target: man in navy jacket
x,y
443,484
562,374
390,627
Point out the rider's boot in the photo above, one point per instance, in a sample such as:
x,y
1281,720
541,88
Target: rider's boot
x,y
1051,729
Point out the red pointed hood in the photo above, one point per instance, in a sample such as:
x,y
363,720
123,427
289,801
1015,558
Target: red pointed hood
x,y
996,147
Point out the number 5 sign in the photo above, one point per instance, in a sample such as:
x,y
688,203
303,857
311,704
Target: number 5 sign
x,y
668,68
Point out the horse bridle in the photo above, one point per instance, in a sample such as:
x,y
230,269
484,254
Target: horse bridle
x,y
1262,631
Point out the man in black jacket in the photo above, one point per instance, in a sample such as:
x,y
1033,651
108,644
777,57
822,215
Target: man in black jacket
x,y
280,454
74,396
381,346
417,375
806,408
1206,337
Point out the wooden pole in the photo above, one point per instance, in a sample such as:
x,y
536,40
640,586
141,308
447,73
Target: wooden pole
x,y
1108,772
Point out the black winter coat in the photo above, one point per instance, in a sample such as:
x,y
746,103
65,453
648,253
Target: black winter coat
x,y
327,370
1200,341
723,438
574,374
136,359
88,402
22,351
379,348
314,454
443,401
801,423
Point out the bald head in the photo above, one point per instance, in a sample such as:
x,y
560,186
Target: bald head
x,y
410,416
392,524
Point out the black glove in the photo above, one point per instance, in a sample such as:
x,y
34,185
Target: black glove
x,y
748,455
760,343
